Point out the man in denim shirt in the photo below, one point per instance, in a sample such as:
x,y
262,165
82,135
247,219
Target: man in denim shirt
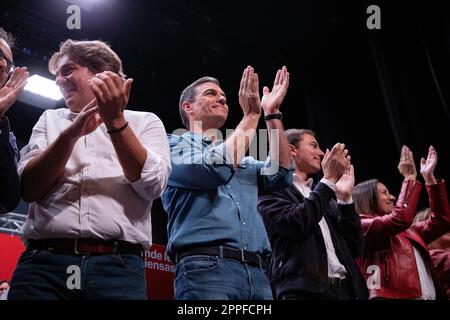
x,y
216,236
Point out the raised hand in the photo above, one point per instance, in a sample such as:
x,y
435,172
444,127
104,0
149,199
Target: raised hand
x,y
272,100
344,187
12,89
87,121
112,95
335,162
406,166
428,165
249,99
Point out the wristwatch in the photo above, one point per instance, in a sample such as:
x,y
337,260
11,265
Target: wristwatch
x,y
278,115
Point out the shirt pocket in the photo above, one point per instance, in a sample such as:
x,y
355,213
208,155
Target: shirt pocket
x,y
246,176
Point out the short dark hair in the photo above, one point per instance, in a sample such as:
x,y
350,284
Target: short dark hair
x,y
188,95
8,37
365,195
95,55
294,136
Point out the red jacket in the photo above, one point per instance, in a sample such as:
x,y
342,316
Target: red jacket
x,y
389,263
441,262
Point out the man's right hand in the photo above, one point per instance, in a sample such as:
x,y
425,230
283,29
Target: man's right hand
x,y
335,162
12,89
87,121
249,98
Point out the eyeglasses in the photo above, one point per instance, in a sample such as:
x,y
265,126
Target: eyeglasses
x,y
9,64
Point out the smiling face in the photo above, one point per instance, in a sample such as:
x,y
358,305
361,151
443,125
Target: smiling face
x,y
385,201
210,106
72,80
307,155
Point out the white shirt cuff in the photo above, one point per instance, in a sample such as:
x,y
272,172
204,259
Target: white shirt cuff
x,y
329,183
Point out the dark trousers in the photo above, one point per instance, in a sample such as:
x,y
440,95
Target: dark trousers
x,y
44,275
332,292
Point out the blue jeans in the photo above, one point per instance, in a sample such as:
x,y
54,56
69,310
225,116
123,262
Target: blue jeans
x,y
44,275
202,277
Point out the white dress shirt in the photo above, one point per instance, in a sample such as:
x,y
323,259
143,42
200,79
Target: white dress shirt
x,y
93,199
335,268
426,281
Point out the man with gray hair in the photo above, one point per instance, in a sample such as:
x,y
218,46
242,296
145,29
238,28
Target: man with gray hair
x,y
90,173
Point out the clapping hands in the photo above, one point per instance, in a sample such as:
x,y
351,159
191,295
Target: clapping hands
x,y
406,166
12,89
428,165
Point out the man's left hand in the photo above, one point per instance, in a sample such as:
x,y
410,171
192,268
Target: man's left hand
x,y
271,101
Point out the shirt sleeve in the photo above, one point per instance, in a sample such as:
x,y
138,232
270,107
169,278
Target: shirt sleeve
x,y
37,144
197,166
157,167
272,176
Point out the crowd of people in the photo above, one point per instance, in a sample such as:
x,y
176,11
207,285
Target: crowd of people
x,y
238,228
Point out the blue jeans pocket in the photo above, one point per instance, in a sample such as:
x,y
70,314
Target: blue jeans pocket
x,y
197,264
131,262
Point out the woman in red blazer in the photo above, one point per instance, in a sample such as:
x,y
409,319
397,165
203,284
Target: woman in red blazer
x,y
396,261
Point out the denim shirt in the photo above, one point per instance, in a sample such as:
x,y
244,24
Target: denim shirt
x,y
209,203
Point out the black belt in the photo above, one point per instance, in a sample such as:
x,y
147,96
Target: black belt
x,y
240,255
84,246
336,282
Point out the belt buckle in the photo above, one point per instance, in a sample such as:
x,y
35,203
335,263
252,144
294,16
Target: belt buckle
x,y
75,249
243,256
259,262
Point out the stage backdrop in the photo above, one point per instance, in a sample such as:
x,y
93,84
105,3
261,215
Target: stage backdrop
x,y
158,268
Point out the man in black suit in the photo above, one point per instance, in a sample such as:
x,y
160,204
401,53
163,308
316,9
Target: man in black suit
x,y
315,233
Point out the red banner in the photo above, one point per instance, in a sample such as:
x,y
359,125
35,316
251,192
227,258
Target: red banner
x,y
160,272
10,250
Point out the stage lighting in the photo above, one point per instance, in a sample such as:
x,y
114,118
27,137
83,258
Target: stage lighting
x,y
44,87
41,92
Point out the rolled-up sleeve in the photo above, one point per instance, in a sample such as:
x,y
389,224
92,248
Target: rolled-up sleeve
x,y
272,176
199,167
37,144
157,168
